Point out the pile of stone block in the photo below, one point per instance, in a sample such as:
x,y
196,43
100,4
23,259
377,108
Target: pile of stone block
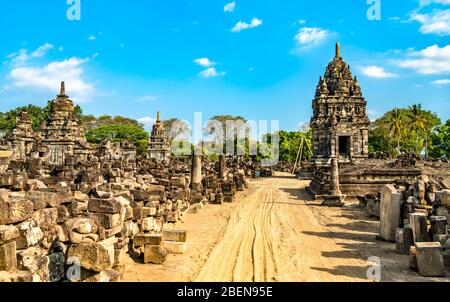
x,y
416,216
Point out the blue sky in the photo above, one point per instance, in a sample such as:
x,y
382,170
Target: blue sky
x,y
259,59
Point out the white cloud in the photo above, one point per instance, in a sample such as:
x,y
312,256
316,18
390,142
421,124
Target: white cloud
x,y
428,2
441,83
147,121
376,72
243,25
205,62
211,73
437,22
92,38
229,8
46,79
308,37
147,98
42,50
431,60
373,114
23,55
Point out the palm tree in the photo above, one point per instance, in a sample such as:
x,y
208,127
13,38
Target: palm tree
x,y
419,122
396,126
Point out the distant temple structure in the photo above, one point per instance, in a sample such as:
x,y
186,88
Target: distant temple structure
x,y
62,134
339,123
159,145
22,138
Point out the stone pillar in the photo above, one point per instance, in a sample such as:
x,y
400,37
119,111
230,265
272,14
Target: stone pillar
x,y
222,167
418,223
404,241
390,207
196,175
334,178
333,147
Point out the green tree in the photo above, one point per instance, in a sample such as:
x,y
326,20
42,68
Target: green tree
x,y
403,130
421,122
396,126
440,141
118,133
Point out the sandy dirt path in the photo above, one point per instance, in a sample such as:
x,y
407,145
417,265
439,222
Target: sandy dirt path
x,y
271,237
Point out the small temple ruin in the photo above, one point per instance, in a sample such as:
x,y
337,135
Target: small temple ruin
x,y
159,145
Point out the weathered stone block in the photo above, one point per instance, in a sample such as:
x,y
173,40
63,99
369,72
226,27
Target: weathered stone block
x,y
154,254
15,211
147,239
35,262
418,223
390,208
108,221
8,258
173,247
429,259
413,259
56,266
438,225
30,234
106,233
51,199
175,235
8,233
443,198
404,241
108,206
91,256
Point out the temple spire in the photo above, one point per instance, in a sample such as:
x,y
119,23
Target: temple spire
x,y
62,91
158,117
338,50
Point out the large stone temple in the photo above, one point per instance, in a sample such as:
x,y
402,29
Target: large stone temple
x,y
159,145
339,122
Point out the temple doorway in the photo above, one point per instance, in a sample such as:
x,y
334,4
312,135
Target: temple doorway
x,y
344,145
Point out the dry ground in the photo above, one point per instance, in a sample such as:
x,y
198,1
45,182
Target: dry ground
x,y
276,232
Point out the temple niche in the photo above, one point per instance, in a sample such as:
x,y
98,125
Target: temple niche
x,y
159,145
62,137
339,122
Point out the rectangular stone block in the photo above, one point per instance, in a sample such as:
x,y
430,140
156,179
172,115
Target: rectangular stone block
x,y
154,254
8,257
50,199
403,241
176,248
147,239
106,233
8,233
444,198
175,235
149,211
91,256
418,223
390,209
108,206
108,221
429,259
15,211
